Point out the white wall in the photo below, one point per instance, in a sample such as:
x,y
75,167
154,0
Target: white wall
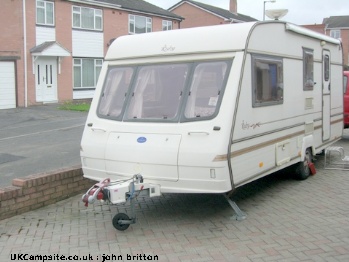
x,y
83,94
87,44
45,34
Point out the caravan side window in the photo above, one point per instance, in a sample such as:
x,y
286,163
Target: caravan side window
x,y
267,78
308,69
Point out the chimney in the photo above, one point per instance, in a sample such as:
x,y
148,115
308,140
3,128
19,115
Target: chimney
x,y
233,8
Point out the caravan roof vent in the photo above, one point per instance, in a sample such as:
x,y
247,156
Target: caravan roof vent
x,y
276,13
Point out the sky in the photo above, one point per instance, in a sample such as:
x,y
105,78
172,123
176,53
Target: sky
x,y
300,12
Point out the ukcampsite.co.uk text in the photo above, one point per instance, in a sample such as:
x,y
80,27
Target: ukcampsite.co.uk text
x,y
104,257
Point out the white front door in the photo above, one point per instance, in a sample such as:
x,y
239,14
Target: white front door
x,y
46,79
326,95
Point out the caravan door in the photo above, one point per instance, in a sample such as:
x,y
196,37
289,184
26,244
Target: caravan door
x,y
326,94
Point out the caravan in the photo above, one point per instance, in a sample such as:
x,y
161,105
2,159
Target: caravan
x,y
209,109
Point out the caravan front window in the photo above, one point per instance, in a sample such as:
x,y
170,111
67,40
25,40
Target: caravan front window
x,y
177,92
205,89
267,76
114,92
157,92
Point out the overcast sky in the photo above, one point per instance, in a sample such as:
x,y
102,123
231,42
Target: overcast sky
x,y
299,11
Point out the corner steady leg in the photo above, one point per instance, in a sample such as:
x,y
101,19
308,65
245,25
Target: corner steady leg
x,y
239,215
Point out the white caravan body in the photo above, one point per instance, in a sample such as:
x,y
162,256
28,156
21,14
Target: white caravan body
x,y
206,110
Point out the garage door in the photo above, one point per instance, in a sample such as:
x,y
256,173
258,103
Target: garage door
x,y
7,85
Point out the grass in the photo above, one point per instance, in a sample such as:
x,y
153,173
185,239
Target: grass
x,y
82,107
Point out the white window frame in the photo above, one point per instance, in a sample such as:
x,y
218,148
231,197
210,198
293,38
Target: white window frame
x,y
133,18
97,14
44,7
167,25
270,91
77,62
335,33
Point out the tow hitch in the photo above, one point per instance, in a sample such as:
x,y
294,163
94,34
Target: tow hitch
x,y
119,192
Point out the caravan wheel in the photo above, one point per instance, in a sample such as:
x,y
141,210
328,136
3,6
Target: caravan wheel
x,y
302,171
117,219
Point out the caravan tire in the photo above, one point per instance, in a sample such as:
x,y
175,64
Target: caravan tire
x,y
120,216
302,170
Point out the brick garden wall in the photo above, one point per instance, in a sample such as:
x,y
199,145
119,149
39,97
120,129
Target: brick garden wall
x,y
35,191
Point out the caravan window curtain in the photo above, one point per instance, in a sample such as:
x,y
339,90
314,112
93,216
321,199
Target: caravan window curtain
x,y
165,92
308,69
267,78
114,92
206,90
158,92
327,67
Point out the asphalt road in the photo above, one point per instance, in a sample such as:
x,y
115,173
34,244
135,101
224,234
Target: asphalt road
x,y
38,139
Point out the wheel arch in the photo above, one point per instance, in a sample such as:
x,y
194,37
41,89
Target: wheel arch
x,y
308,142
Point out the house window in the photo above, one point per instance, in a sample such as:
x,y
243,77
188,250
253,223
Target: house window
x,y
86,72
268,81
44,12
308,69
335,34
139,24
166,25
87,18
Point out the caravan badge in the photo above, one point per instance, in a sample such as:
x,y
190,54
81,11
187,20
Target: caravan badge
x,y
141,139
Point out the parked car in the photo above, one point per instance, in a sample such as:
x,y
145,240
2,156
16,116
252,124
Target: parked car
x,y
346,99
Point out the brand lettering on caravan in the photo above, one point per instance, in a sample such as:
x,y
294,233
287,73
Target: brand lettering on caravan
x,y
166,48
246,125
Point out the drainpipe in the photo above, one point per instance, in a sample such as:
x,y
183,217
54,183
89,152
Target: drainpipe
x,y
25,55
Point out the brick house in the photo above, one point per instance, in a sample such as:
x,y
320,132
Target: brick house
x,y
336,27
52,50
199,14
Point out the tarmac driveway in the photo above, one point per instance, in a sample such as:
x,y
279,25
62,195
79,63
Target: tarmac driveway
x,y
38,139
